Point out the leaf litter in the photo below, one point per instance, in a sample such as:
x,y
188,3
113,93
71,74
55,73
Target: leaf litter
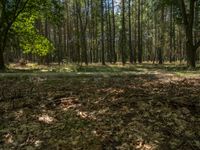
x,y
143,112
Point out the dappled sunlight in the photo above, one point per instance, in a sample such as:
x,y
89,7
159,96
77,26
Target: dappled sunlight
x,y
137,145
69,103
86,115
38,143
140,145
144,112
103,111
44,70
109,69
111,94
99,75
19,114
8,138
45,118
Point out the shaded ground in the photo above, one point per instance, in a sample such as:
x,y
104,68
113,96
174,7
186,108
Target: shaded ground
x,y
97,112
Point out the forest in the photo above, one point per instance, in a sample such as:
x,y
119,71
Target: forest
x,y
100,74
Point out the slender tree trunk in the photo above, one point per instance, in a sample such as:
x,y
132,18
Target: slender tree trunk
x,y
139,33
102,34
110,35
171,33
114,31
135,35
60,48
123,34
47,36
130,33
162,42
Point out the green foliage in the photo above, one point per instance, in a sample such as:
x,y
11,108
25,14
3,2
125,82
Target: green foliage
x,y
30,40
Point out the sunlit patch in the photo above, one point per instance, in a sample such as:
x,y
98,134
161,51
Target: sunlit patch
x,y
69,103
140,145
112,90
67,69
38,143
86,115
19,114
94,132
46,119
8,138
44,70
103,111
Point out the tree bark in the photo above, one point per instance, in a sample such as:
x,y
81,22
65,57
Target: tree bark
x,y
2,63
3,41
188,20
114,32
102,34
123,34
139,33
130,33
191,55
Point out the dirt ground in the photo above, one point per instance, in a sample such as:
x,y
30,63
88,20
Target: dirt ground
x,y
125,112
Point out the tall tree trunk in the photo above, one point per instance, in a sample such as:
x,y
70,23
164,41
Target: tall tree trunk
x,y
110,35
102,33
162,42
47,36
60,47
171,33
123,34
139,33
188,19
114,32
130,33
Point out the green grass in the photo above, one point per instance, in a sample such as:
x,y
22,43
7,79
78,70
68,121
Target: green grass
x,y
176,69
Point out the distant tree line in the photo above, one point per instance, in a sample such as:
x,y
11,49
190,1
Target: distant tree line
x,y
100,31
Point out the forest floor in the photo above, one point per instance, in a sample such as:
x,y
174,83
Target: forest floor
x,y
141,107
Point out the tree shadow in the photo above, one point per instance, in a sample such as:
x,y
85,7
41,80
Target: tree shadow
x,y
124,112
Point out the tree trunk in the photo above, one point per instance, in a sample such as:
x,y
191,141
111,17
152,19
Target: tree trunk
x,y
161,34
139,33
102,34
188,20
171,33
2,63
123,34
130,33
191,55
114,32
3,41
